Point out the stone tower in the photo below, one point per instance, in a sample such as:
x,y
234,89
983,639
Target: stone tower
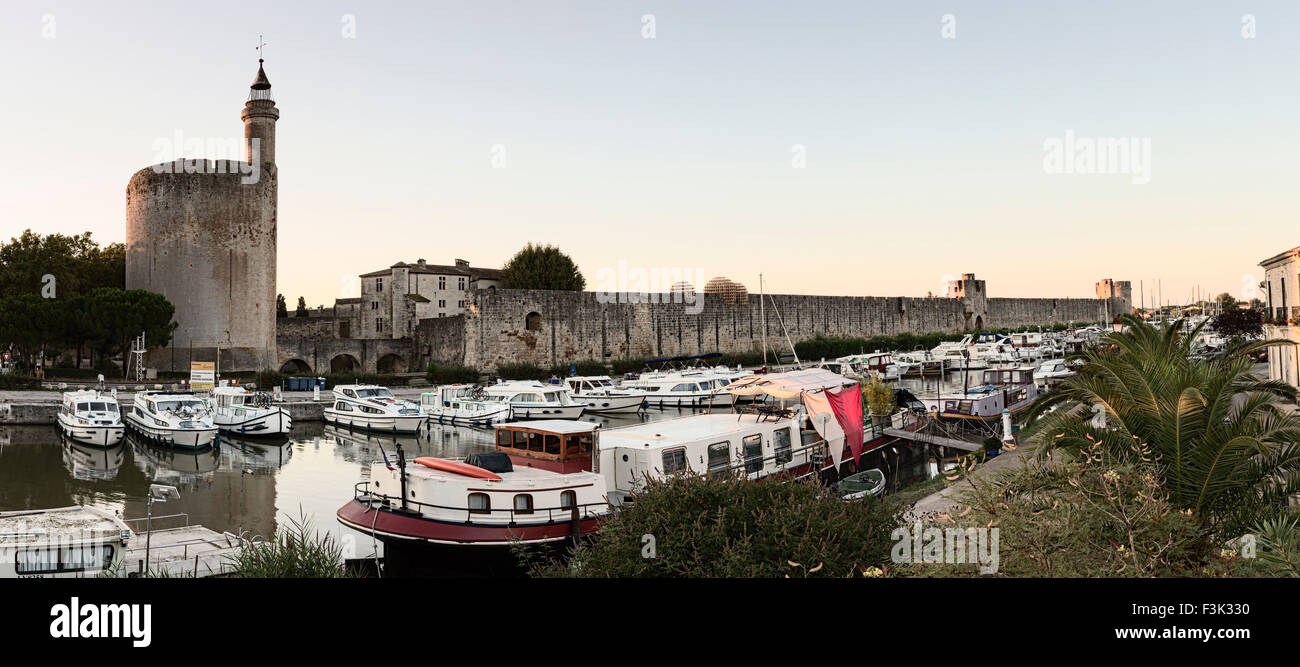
x,y
203,234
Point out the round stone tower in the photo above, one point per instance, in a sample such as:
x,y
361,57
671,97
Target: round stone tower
x,y
203,234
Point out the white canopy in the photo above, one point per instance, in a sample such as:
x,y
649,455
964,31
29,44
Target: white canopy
x,y
790,384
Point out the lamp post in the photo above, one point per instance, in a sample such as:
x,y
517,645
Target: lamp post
x,y
157,493
1117,326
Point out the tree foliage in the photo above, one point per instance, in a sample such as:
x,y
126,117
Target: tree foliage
x,y
542,267
77,263
281,308
302,308
1238,323
1222,444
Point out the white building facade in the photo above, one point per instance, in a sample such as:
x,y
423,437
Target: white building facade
x,y
1281,295
394,300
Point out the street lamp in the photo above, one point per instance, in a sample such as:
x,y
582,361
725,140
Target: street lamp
x,y
157,493
1117,326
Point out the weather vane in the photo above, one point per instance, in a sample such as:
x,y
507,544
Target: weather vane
x,y
261,48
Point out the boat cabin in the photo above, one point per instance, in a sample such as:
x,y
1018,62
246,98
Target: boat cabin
x,y
551,444
1009,376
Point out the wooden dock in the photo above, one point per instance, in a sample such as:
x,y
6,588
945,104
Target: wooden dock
x,y
931,439
187,551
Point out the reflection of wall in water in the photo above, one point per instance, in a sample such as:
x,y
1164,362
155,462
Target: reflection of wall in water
x,y
904,463
212,493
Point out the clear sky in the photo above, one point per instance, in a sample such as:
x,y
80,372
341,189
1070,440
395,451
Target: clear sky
x,y
924,155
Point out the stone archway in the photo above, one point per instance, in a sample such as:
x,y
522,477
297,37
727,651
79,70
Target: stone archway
x,y
295,367
979,322
533,321
345,363
392,363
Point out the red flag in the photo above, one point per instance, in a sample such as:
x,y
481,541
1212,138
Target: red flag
x,y
847,406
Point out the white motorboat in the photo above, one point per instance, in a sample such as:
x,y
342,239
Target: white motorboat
x,y
880,365
76,541
682,389
240,411
91,418
920,363
1051,372
601,395
463,404
529,399
373,408
176,419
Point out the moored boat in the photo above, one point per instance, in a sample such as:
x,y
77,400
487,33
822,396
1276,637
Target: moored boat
x,y
172,418
373,408
78,541
537,487
249,414
682,389
464,404
91,418
1010,389
529,399
601,395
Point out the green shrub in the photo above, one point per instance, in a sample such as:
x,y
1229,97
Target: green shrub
x,y
591,367
452,374
731,527
18,382
296,552
268,378
624,366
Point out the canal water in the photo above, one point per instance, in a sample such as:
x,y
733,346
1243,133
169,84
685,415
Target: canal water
x,y
252,488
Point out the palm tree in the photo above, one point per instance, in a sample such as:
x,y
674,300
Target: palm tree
x,y
1225,448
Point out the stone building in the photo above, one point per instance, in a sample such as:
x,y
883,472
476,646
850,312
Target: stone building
x,y
203,234
394,300
1282,297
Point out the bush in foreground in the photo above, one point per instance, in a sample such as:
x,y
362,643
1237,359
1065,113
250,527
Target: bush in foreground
x,y
296,552
729,527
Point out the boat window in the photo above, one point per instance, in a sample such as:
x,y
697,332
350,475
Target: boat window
x,y
349,392
505,438
340,405
781,443
552,397
535,442
584,443
687,386
523,503
98,407
719,458
65,559
753,445
521,440
552,444
674,460
568,499
83,407
479,503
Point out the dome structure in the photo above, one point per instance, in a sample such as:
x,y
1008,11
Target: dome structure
x,y
731,291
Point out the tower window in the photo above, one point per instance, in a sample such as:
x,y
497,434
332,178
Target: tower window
x,y
379,284
442,282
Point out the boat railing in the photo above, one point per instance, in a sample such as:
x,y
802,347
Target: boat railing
x,y
362,494
149,520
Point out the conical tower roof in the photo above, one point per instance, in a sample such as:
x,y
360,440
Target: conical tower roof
x,y
261,88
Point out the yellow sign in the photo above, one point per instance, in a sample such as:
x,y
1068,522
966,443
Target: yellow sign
x,y
203,375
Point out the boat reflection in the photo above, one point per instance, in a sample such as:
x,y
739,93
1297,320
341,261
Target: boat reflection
x,y
171,465
248,453
92,463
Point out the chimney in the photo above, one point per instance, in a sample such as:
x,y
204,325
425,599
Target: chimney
x,y
462,263
420,262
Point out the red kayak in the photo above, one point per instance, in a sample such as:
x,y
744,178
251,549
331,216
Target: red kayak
x,y
457,467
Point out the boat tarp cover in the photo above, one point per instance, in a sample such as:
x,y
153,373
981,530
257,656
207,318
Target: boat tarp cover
x,y
491,461
847,406
789,384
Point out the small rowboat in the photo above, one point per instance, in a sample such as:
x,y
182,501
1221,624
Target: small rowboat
x,y
447,465
860,485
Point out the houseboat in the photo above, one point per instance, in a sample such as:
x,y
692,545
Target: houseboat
x,y
602,396
463,404
1051,372
537,487
67,542
239,411
373,408
91,418
1006,388
174,419
682,389
529,399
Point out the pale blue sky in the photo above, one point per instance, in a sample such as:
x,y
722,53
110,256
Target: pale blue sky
x,y
924,154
